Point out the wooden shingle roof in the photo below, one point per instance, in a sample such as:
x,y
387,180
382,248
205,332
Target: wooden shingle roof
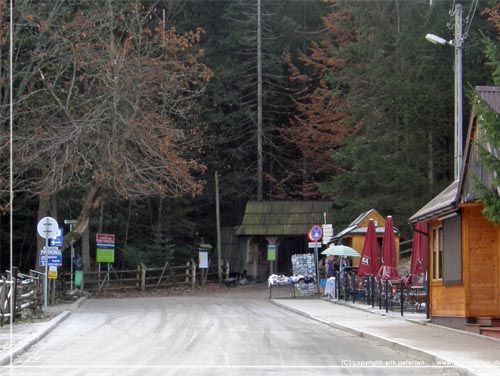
x,y
282,217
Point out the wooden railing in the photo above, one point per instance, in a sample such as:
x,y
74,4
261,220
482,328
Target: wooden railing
x,y
144,277
29,288
19,292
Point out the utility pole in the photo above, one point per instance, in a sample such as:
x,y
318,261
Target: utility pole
x,y
260,164
458,44
219,246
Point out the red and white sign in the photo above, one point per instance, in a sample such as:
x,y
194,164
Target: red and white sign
x,y
315,233
105,238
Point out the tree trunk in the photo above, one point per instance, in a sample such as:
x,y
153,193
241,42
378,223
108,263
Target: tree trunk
x,y
86,250
92,202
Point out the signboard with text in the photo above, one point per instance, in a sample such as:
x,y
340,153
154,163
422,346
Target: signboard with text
x,y
51,255
105,252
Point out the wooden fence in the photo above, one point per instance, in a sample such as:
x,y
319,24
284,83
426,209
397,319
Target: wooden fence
x,y
19,292
143,277
29,288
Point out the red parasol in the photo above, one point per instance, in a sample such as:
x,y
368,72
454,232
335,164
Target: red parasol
x,y
389,263
369,264
419,255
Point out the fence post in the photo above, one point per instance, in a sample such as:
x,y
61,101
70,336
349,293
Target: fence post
x,y
372,292
354,288
402,296
386,289
143,277
193,273
380,293
337,284
14,292
186,273
226,269
346,286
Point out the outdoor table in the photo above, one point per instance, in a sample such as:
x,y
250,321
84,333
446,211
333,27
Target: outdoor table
x,y
417,296
289,284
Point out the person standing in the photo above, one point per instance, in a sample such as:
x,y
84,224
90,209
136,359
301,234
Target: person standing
x,y
330,271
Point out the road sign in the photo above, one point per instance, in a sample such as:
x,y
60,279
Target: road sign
x,y
52,272
57,240
271,252
105,252
327,233
314,245
105,255
47,227
53,255
105,239
315,233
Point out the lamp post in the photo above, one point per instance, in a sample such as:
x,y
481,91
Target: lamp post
x,y
458,44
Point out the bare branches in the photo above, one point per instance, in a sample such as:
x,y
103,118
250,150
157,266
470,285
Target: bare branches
x,y
109,99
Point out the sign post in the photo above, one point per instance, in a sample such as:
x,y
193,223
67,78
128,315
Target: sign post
x,y
271,256
314,235
47,228
203,261
105,251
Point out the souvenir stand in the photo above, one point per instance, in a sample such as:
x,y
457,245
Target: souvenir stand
x,y
303,280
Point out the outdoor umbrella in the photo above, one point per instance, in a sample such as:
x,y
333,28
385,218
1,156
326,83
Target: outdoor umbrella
x,y
419,255
389,270
369,264
341,251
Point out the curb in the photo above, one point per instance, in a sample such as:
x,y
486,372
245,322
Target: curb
x,y
426,322
46,328
402,348
34,338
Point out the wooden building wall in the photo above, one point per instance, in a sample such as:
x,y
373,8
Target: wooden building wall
x,y
478,295
481,263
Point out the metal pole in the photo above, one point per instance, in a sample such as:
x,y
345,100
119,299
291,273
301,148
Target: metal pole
x,y
458,89
317,267
401,296
71,261
45,278
219,245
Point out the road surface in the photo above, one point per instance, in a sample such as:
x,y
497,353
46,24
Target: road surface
x,y
204,335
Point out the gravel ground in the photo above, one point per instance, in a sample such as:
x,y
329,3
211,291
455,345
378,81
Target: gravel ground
x,y
249,291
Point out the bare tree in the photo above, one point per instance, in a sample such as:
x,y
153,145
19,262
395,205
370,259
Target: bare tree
x,y
108,106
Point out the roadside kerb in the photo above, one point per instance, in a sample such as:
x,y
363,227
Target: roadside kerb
x,y
43,330
402,348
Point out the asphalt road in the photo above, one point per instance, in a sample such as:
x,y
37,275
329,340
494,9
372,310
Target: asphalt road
x,y
215,335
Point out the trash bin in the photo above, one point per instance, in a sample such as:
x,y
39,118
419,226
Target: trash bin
x,y
78,277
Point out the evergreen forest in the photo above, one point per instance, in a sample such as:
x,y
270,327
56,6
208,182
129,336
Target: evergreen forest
x,y
120,115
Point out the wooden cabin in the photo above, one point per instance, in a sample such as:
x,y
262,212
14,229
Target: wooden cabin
x,y
464,247
354,235
285,225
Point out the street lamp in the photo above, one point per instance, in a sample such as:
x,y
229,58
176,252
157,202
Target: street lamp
x,y
458,44
437,40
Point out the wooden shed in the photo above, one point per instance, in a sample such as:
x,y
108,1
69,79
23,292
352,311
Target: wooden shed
x,y
284,224
464,246
354,235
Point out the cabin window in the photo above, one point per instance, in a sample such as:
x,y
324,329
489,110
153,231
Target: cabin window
x,y
437,253
452,250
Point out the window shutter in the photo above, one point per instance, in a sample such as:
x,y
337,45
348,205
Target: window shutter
x,y
452,250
